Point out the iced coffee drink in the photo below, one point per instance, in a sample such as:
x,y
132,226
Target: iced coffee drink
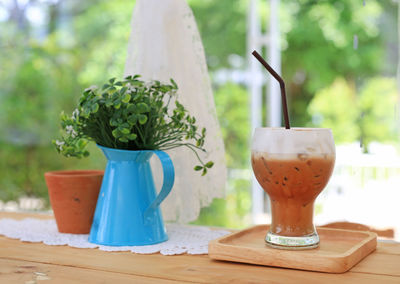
x,y
293,166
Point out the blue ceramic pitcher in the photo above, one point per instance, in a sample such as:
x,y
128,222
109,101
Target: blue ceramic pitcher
x,y
127,211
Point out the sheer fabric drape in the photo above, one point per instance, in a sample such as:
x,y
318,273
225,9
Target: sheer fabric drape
x,y
165,43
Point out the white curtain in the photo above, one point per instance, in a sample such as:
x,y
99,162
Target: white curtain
x,y
165,43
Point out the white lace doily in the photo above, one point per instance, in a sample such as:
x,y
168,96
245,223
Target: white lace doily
x,y
165,43
182,238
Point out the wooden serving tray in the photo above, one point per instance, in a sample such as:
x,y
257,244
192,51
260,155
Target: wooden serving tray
x,y
339,250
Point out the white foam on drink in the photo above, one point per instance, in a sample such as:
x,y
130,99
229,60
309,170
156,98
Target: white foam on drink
x,y
301,157
294,141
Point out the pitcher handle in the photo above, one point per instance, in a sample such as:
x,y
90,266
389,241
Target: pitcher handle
x,y
168,182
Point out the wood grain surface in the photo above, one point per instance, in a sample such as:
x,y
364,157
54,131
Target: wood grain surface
x,y
339,250
20,262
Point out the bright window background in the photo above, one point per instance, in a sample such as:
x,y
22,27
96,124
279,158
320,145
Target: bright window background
x,y
339,60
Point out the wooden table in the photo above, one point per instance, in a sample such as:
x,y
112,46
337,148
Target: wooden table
x,y
31,263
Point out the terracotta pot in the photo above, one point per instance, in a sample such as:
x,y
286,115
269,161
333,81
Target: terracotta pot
x,y
73,197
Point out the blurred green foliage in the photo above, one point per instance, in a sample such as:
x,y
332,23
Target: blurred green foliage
x,y
327,110
317,40
222,26
233,211
232,102
44,68
321,48
366,115
84,44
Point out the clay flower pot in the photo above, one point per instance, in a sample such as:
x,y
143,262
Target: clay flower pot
x,y
73,197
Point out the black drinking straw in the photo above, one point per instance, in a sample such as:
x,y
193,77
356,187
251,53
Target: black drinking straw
x,y
281,84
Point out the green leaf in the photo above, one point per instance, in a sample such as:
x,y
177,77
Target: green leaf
x,y
142,119
132,119
112,80
86,112
209,164
174,83
95,108
198,168
105,86
125,131
113,122
117,105
82,143
142,107
131,108
126,98
204,172
63,116
116,133
109,102
179,106
123,90
136,83
132,136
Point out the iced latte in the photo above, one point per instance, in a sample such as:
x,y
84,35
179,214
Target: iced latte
x,y
293,166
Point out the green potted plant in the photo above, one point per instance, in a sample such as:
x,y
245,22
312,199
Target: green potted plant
x,y
129,120
131,115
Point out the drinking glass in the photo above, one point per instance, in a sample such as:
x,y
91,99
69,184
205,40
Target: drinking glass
x,y
292,166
